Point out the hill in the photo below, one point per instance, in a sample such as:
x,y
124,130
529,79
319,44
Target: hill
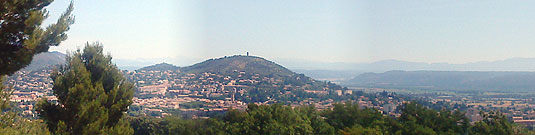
x,y
244,78
252,66
448,80
238,63
46,59
160,67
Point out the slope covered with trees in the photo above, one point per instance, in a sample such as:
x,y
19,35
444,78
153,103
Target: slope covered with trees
x,y
160,67
251,64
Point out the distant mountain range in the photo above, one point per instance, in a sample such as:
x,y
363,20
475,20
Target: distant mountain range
x,y
512,64
436,75
329,75
340,71
448,80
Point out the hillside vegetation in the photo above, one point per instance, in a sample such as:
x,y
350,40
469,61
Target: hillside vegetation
x,y
251,64
46,59
160,67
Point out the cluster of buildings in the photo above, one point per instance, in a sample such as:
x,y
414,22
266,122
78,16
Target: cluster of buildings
x,y
169,89
160,91
520,109
29,87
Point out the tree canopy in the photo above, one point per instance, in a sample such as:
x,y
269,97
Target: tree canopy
x,y
344,118
92,95
21,34
21,37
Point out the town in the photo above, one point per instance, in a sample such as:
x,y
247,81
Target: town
x,y
158,91
164,92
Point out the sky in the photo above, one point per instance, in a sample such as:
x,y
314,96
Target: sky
x,y
349,31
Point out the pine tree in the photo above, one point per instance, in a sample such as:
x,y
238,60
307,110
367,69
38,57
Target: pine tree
x,y
6,117
21,37
92,95
21,34
493,123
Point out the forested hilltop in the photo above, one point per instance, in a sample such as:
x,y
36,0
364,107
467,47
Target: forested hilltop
x,y
230,64
242,78
160,67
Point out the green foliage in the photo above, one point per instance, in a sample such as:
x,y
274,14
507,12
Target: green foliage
x,y
257,119
11,123
193,104
145,125
161,67
492,124
249,64
4,95
522,130
359,130
419,119
346,119
317,122
176,126
25,127
121,128
92,95
349,114
6,116
21,35
272,119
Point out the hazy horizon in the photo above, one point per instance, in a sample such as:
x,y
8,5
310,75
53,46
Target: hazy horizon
x,y
319,31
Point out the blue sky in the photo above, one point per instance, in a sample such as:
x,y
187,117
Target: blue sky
x,y
325,31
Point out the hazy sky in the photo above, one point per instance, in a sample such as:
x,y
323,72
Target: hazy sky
x,y
327,31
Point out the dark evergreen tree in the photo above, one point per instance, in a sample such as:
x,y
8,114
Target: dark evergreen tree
x,y
493,123
23,126
92,95
21,35
349,114
418,119
6,117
